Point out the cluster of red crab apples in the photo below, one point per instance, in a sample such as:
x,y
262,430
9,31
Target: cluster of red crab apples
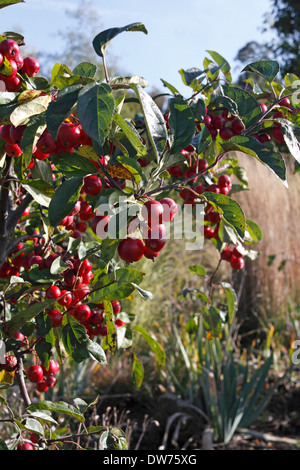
x,y
19,66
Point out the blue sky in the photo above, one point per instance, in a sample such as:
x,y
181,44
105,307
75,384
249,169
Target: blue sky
x,y
179,31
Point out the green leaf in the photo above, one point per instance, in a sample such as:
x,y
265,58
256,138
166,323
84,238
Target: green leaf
x,y
24,112
40,190
231,211
64,200
289,134
95,110
145,294
73,165
7,3
102,40
248,107
74,337
96,352
225,67
232,301
33,425
154,120
154,345
198,269
85,69
137,371
266,68
131,134
59,407
265,155
111,334
59,109
133,167
26,314
181,123
254,230
31,135
170,87
116,285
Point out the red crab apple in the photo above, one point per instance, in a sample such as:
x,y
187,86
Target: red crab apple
x,y
42,386
68,135
25,446
9,48
81,312
55,317
92,185
53,368
152,209
31,66
53,292
237,263
131,249
170,209
35,373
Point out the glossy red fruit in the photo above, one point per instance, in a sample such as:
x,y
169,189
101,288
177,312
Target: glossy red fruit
x,y
131,249
42,386
176,171
35,373
200,165
149,254
53,368
81,312
226,254
16,133
152,210
218,122
237,263
65,299
263,107
13,150
92,185
155,241
53,292
99,224
36,259
9,48
224,180
285,102
25,446
237,126
239,251
278,134
31,66
46,144
226,133
13,83
170,209
116,307
55,317
208,232
68,135
5,133
51,381
82,267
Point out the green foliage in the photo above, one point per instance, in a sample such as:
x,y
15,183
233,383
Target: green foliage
x,y
51,211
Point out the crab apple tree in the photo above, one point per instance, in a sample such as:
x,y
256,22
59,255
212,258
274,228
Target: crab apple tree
x,y
72,173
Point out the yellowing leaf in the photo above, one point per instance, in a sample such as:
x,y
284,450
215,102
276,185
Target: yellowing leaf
x,y
119,172
28,95
22,114
6,378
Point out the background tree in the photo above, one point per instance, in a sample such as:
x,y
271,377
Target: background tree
x,y
284,21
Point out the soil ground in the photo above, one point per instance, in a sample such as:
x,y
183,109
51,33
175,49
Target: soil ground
x,y
158,420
